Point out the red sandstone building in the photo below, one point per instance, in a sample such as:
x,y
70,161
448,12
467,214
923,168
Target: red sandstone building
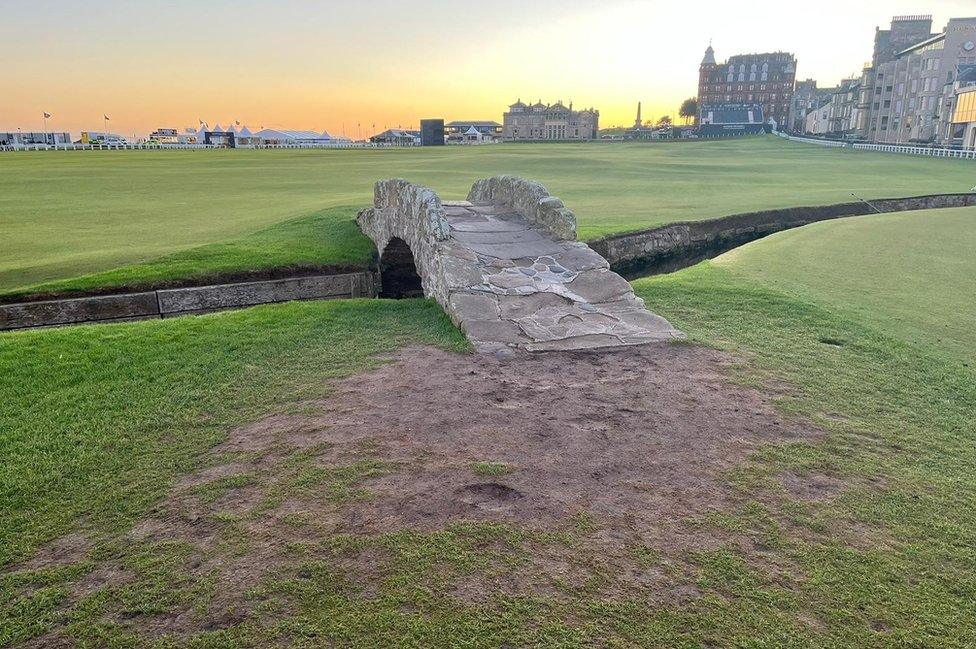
x,y
764,79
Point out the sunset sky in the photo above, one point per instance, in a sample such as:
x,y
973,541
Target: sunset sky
x,y
333,64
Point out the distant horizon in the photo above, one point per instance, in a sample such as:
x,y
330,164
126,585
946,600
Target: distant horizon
x,y
330,69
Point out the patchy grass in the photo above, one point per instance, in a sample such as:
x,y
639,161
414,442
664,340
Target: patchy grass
x,y
98,420
490,468
872,547
116,210
895,568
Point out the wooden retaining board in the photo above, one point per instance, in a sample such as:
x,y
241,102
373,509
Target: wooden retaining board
x,y
180,301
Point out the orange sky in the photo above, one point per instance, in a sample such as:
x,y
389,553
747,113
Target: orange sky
x,y
322,65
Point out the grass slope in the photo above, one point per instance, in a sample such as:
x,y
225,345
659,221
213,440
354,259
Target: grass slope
x,y
888,561
904,274
884,560
64,214
326,238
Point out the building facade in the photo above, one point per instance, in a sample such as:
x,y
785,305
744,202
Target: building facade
x,y
554,122
766,79
907,94
836,111
806,98
964,118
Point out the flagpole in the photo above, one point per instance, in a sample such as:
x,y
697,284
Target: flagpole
x,y
45,127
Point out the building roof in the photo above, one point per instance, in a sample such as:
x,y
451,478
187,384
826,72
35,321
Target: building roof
x,y
397,132
285,134
472,131
709,58
925,43
474,122
518,104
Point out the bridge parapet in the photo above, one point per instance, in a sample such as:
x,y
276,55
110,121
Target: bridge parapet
x,y
529,198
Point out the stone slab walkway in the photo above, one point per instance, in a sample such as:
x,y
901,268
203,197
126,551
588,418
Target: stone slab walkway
x,y
513,285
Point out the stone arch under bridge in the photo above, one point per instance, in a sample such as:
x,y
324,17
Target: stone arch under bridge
x,y
505,266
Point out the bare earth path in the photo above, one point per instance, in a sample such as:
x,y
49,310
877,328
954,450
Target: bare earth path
x,y
627,444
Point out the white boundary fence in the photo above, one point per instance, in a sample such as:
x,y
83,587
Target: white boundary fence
x,y
889,148
156,147
810,140
918,150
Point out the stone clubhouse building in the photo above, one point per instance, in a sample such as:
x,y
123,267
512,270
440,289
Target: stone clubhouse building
x,y
556,122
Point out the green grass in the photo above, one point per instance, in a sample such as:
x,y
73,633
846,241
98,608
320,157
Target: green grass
x,y
889,561
905,274
300,243
99,421
486,468
65,214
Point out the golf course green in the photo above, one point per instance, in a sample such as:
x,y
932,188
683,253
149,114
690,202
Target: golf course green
x,y
141,216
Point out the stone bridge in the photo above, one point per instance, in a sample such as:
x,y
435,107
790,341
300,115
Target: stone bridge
x,y
505,266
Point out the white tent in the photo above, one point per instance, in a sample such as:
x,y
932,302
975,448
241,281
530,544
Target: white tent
x,y
218,129
283,136
473,135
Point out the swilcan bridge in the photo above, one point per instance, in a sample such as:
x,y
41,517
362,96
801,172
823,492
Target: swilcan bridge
x,y
506,267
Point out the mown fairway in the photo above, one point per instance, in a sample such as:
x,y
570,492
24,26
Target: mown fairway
x,y
861,538
71,213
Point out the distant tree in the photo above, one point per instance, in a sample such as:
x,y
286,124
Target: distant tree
x,y
665,121
689,109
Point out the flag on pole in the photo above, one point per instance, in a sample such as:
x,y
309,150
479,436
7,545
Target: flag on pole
x,y
237,122
47,115
200,120
105,117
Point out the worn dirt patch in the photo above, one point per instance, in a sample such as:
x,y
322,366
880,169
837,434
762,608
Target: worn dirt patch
x,y
641,432
624,448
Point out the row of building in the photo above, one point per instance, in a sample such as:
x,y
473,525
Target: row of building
x,y
918,88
